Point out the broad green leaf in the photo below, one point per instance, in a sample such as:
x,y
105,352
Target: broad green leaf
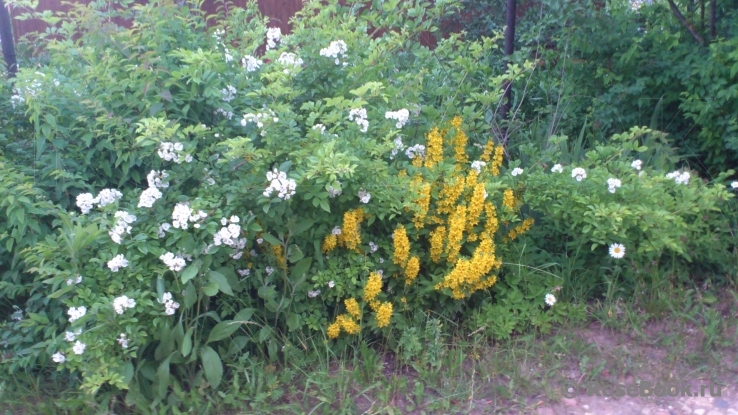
x,y
300,268
189,272
222,282
212,366
222,330
272,240
187,342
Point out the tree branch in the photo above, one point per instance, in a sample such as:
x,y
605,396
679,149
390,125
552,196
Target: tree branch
x,y
678,14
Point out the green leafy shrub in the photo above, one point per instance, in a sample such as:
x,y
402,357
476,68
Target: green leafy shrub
x,y
665,221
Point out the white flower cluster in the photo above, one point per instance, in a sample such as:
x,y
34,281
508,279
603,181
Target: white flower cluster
x,y
244,272
319,127
152,194
579,174
225,114
373,247
734,185
399,146
250,63
332,192
228,235
331,284
336,230
637,164
557,168
174,263
86,202
259,119
359,116
516,172
122,226
117,263
228,93
123,340
313,294
679,177
289,59
274,35
148,197
336,50
218,37
416,150
173,152
279,183
169,304
401,116
121,303
79,347
182,214
58,357
613,184
75,313
71,336
77,280
162,229
269,270
364,196
478,165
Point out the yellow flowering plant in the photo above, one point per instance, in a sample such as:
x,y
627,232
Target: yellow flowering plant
x,y
447,245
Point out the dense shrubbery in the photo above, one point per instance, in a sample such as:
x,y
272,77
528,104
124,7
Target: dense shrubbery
x,y
201,203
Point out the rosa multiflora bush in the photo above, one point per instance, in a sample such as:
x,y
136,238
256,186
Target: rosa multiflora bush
x,y
198,177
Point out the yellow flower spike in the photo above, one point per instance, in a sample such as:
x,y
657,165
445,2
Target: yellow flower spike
x,y
437,237
489,148
497,161
402,246
476,206
451,191
467,275
384,314
402,173
460,141
348,324
456,226
279,255
491,224
350,236
456,122
334,330
411,270
434,148
329,243
508,199
520,229
417,162
424,203
373,287
374,305
352,306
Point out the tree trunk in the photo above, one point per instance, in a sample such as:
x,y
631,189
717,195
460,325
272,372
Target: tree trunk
x,y
6,34
509,50
685,23
713,6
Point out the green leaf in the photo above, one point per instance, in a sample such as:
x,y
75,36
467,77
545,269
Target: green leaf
x,y
189,272
210,289
293,321
190,295
162,375
272,240
301,267
222,330
187,342
212,366
222,282
264,334
295,254
244,315
38,318
302,227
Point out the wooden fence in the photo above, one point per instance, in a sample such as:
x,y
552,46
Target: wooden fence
x,y
279,12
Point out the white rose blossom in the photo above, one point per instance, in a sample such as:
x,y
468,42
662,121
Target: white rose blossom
x,y
358,115
557,168
579,174
120,304
75,313
58,357
478,165
279,183
118,262
401,116
516,171
336,51
364,196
